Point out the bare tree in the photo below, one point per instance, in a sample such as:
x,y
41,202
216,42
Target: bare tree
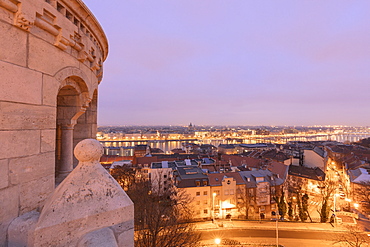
x,y
362,193
280,201
244,201
162,216
353,237
302,202
164,219
125,175
327,191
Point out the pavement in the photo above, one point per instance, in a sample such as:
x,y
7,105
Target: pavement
x,y
298,226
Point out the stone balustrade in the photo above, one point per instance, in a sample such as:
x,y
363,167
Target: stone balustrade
x,y
87,209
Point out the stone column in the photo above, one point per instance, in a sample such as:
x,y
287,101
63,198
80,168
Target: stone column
x,y
66,160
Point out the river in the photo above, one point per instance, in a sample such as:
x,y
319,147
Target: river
x,y
168,145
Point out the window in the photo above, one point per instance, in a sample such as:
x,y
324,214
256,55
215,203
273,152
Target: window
x,y
75,21
205,211
60,7
197,183
205,193
198,193
205,183
205,202
69,15
231,191
164,176
217,192
226,192
83,29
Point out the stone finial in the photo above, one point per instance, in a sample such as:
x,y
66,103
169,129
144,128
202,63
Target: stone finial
x,y
87,200
88,150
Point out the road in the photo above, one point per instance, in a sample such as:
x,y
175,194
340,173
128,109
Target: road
x,y
267,233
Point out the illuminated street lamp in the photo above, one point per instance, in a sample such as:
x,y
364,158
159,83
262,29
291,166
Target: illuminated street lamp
x,y
217,241
356,205
348,203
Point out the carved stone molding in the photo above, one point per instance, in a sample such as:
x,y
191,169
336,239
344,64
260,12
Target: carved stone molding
x,y
75,42
61,42
20,20
10,5
46,22
96,66
82,56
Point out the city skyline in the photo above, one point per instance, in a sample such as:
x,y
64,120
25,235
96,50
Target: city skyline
x,y
240,63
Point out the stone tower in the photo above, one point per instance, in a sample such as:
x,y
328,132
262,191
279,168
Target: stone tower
x,y
51,63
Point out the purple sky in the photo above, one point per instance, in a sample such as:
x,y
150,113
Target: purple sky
x,y
213,62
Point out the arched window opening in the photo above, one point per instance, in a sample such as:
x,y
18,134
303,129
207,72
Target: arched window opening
x,y
68,105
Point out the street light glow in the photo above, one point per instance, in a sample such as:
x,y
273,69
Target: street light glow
x,y
226,204
217,240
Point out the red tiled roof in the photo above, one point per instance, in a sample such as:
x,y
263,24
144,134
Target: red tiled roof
x,y
209,167
215,179
275,155
146,160
242,160
278,168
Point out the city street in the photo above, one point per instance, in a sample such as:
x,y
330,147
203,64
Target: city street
x,y
267,233
286,242
290,233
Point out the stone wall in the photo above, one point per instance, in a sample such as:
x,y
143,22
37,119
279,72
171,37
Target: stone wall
x,y
47,49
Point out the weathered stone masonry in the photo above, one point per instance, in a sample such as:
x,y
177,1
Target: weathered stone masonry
x,y
51,63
